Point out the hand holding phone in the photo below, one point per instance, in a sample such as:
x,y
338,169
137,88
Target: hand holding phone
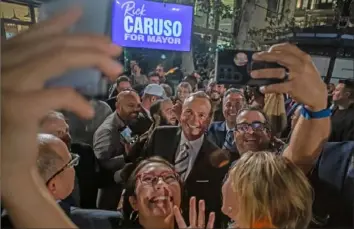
x,y
126,136
234,67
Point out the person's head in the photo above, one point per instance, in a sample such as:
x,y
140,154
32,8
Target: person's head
x,y
183,90
252,130
192,81
160,70
233,101
152,92
196,115
54,123
344,92
152,189
132,64
295,117
55,165
331,87
269,190
154,78
161,112
128,105
214,90
168,90
123,83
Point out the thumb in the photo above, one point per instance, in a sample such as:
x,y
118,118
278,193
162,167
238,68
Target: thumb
x,y
60,99
276,88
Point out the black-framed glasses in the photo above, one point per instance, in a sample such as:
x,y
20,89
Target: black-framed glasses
x,y
74,161
255,126
152,179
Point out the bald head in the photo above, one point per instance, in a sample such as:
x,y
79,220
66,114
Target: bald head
x,y
52,154
128,105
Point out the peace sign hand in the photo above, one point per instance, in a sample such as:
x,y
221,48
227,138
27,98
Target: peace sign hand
x,y
194,220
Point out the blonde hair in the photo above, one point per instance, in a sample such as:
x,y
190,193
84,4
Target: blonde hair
x,y
271,189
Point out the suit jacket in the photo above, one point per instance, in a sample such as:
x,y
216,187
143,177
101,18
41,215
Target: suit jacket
x,y
83,218
217,133
204,181
107,145
142,123
112,103
333,186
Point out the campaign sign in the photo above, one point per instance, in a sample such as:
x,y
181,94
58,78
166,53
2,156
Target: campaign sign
x,y
154,25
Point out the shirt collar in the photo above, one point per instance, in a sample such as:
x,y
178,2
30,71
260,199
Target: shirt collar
x,y
227,127
184,140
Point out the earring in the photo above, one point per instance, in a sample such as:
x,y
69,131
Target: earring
x,y
229,209
132,216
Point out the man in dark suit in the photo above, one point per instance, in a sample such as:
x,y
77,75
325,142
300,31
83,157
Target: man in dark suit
x,y
109,149
192,154
232,102
55,165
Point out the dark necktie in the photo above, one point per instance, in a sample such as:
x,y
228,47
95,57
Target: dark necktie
x,y
229,143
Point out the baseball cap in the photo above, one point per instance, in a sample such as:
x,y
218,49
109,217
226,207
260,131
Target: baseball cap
x,y
156,90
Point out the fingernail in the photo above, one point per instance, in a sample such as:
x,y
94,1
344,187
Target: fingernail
x,y
254,74
262,89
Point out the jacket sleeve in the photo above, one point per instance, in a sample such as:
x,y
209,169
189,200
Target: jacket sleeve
x,y
105,147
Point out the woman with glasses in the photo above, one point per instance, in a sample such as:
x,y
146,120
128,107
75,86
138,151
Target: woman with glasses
x,y
263,190
153,197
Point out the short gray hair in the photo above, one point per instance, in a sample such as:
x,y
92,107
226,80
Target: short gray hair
x,y
50,116
48,159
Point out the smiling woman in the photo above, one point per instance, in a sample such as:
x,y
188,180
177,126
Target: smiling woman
x,y
152,189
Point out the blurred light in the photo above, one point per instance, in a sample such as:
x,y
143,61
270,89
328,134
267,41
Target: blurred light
x,y
163,56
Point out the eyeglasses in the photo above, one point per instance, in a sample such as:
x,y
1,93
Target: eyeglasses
x,y
152,179
256,127
74,161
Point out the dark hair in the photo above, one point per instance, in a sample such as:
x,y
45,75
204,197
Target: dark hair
x,y
251,108
130,183
233,91
191,80
348,86
122,79
152,74
155,109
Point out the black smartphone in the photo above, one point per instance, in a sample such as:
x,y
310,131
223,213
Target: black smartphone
x,y
95,19
234,67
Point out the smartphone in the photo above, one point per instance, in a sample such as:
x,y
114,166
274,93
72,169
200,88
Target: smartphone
x,y
95,19
234,67
126,135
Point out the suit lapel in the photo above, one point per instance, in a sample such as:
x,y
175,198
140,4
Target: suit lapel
x,y
169,151
204,149
175,144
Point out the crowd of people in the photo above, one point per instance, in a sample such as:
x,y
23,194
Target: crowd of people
x,y
197,156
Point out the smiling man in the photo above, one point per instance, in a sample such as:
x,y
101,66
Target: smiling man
x,y
190,151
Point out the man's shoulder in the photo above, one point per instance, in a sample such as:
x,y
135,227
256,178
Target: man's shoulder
x,y
216,125
96,218
167,129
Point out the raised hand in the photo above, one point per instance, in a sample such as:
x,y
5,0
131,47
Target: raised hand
x,y
304,82
195,220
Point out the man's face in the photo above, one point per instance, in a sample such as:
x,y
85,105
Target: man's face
x,y
129,106
62,185
154,79
183,93
166,110
159,70
251,133
123,86
59,128
195,117
339,94
231,105
215,91
132,64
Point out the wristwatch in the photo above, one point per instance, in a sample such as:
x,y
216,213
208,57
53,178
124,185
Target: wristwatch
x,y
307,114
